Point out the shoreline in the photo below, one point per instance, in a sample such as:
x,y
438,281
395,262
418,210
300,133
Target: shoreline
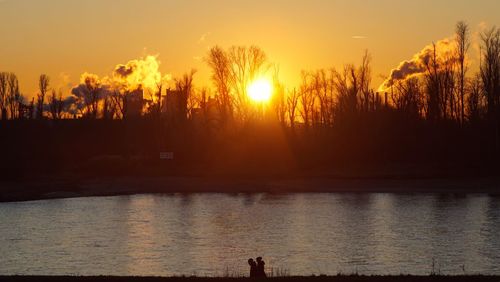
x,y
55,188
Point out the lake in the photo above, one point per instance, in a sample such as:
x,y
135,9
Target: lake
x,y
215,234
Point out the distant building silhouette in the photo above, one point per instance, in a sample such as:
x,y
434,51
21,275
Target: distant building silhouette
x,y
175,106
134,103
208,113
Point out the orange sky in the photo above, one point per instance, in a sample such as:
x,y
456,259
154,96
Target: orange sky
x,y
64,38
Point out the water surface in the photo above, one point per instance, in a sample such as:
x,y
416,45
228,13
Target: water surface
x,y
214,234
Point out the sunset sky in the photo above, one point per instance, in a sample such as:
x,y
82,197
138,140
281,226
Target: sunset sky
x,y
64,38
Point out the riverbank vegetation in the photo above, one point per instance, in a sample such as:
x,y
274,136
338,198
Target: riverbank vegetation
x,y
431,114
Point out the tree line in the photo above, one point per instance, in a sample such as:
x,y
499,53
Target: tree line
x,y
444,92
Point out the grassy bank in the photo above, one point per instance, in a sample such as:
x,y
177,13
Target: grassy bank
x,y
340,278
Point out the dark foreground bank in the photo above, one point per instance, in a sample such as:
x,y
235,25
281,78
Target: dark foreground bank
x,y
70,187
78,158
353,278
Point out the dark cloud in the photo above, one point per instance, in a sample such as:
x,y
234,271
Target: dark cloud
x,y
125,70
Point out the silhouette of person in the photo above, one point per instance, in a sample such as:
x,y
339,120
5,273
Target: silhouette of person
x,y
253,268
261,272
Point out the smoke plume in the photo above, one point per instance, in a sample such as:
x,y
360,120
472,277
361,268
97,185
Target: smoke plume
x,y
143,73
417,65
90,84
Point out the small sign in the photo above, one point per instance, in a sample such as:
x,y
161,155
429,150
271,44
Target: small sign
x,y
166,155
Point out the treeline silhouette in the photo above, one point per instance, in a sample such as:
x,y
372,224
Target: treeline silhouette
x,y
442,120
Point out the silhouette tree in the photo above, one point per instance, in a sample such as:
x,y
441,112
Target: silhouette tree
x,y
448,101
475,99
118,102
14,95
364,80
43,88
204,95
219,62
3,94
463,44
346,86
31,109
490,74
245,65
91,96
232,71
490,69
184,88
433,86
322,87
56,105
307,99
292,102
278,99
194,102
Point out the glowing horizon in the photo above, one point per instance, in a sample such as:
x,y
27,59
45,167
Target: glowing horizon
x,y
54,37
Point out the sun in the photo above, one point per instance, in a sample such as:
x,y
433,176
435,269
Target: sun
x,y
260,90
